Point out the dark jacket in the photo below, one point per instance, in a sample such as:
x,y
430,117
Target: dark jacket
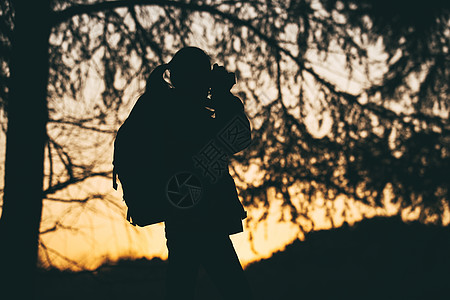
x,y
201,141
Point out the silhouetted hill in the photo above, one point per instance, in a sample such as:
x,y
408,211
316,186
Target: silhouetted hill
x,y
379,258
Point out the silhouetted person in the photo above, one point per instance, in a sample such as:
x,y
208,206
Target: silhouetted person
x,y
200,143
176,145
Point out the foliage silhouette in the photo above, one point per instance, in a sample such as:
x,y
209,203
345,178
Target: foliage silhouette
x,y
387,138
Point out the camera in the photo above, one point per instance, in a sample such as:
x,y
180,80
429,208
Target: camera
x,y
222,80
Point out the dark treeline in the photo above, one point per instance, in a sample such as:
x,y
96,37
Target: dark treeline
x,y
379,258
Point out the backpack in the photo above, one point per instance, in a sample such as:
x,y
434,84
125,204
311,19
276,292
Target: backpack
x,y
137,159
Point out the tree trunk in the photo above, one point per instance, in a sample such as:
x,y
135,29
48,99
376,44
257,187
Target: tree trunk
x,y
25,142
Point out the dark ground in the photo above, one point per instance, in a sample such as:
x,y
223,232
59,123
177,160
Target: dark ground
x,y
380,258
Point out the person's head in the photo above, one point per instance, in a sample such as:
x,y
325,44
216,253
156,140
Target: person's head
x,y
190,70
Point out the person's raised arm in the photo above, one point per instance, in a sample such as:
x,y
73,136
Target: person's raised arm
x,y
233,126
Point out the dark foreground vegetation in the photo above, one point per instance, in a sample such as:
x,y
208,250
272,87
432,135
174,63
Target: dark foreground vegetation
x,y
380,258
